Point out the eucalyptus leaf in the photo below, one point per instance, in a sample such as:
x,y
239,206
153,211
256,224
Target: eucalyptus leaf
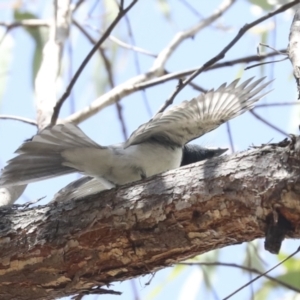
x,y
37,34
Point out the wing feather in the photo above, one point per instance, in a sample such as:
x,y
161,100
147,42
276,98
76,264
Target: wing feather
x,y
191,119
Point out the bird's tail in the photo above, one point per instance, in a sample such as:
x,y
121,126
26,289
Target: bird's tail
x,y
84,186
40,158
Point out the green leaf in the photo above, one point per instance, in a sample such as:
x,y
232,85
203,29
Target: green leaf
x,y
264,4
264,292
165,8
291,278
37,34
292,264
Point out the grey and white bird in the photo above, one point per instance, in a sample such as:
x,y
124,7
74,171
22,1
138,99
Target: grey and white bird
x,y
155,147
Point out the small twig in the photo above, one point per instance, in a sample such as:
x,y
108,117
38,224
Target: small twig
x,y
182,74
191,8
198,88
75,6
26,23
230,137
121,43
276,104
267,123
261,275
265,63
275,50
253,270
221,55
112,85
137,65
189,33
21,119
86,60
110,75
131,47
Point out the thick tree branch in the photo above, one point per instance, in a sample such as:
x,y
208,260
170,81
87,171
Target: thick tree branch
x,y
67,248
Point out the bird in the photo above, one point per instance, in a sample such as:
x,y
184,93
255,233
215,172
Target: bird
x,y
88,185
157,146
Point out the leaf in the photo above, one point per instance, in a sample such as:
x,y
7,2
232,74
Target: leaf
x,y
6,51
165,8
264,4
292,264
292,278
37,34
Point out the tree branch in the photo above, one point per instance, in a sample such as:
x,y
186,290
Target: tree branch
x,y
21,119
26,23
184,73
60,102
157,69
69,247
244,268
146,80
222,54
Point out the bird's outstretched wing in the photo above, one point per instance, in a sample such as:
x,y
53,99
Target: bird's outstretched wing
x,y
191,119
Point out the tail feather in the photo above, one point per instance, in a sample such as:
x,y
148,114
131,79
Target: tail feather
x,y
85,186
40,158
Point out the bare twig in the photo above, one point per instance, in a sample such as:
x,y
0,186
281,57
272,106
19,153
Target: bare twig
x,y
110,75
119,42
21,119
131,47
75,6
265,63
26,23
144,81
275,50
191,8
156,70
183,35
86,60
253,270
198,88
230,137
222,54
182,74
137,66
112,85
276,104
261,275
267,123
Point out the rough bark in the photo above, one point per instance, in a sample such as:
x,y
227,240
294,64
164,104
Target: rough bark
x,y
67,248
